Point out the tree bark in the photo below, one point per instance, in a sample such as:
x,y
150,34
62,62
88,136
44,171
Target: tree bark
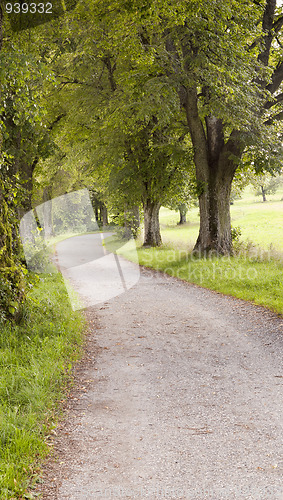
x,y
96,212
152,236
215,222
104,213
216,163
183,214
263,193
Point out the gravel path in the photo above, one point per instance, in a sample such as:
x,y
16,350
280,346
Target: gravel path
x,y
179,396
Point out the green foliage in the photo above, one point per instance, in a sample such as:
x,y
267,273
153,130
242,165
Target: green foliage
x,y
128,222
23,138
266,184
113,98
40,253
35,360
236,234
35,17
241,179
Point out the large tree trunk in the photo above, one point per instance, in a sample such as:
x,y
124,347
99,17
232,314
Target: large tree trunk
x,y
215,223
152,236
216,163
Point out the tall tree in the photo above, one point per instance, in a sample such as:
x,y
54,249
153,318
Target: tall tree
x,y
120,129
224,60
226,112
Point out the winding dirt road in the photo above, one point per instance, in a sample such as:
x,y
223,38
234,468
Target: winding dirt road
x,y
179,395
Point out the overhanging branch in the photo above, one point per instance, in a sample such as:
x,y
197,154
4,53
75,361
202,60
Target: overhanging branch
x,y
267,27
278,99
277,25
57,119
276,79
277,117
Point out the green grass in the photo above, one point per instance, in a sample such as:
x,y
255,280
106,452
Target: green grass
x,y
260,223
252,275
36,357
250,278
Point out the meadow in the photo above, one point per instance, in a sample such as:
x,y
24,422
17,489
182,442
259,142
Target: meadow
x,y
260,223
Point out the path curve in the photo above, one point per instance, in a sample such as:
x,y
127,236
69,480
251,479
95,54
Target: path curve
x,y
179,396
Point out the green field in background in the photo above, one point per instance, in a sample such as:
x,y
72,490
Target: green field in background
x,y
260,223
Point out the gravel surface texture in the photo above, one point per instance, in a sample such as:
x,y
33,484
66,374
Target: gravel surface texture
x,y
179,395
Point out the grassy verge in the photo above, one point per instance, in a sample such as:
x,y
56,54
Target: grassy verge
x,y
253,275
36,357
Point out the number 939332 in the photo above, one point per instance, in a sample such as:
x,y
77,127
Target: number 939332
x,y
28,8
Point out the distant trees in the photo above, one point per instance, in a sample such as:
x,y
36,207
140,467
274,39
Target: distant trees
x,y
265,184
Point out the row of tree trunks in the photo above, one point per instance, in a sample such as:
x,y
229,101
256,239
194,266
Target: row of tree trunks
x,y
101,212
